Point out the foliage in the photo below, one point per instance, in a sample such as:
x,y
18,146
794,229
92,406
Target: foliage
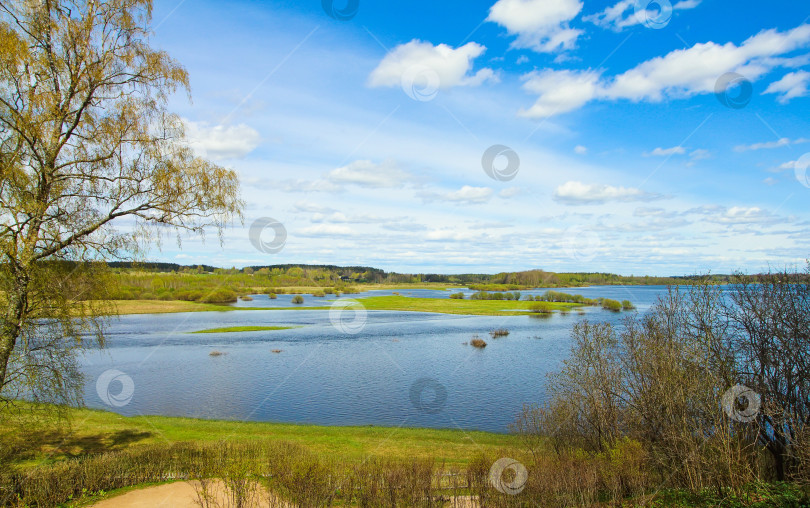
x,y
661,381
87,142
297,299
612,305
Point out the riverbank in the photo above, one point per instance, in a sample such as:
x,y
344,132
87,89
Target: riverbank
x,y
93,431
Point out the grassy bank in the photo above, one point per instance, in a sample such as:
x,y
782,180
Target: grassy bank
x,y
92,432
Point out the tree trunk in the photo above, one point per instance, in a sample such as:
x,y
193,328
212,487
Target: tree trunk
x,y
12,322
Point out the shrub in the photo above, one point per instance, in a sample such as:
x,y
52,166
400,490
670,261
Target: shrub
x,y
540,308
611,305
298,299
319,294
457,296
220,295
478,342
627,305
272,296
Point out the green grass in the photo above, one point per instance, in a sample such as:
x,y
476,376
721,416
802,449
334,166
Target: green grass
x,y
402,303
170,306
233,329
451,306
93,431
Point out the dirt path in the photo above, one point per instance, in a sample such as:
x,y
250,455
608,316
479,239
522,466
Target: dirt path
x,y
183,495
179,494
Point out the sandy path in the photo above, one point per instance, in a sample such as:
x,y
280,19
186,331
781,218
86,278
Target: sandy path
x,y
183,495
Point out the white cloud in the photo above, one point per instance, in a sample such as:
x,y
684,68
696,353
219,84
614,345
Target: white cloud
x,y
792,85
623,14
450,235
666,152
450,67
509,192
678,74
522,59
365,173
559,91
580,150
737,215
307,207
326,230
220,141
771,144
469,194
760,146
540,25
578,193
700,154
301,185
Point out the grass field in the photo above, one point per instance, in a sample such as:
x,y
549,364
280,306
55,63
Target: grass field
x,y
93,431
402,303
451,306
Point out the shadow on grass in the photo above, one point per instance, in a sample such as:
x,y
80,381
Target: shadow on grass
x,y
52,444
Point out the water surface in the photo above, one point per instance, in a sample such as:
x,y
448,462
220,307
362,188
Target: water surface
x,y
403,369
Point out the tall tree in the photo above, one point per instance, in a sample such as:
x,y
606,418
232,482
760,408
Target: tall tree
x,y
93,167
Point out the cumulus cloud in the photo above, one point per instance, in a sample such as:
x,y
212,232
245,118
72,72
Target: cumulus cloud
x,y
679,74
666,152
365,173
220,141
540,25
792,85
578,193
451,67
559,91
623,14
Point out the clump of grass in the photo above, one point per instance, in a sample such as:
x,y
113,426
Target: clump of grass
x,y
216,353
500,332
319,294
246,298
298,299
627,305
540,308
611,305
277,351
272,296
478,342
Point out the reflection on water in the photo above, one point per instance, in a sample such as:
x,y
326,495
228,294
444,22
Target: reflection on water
x,y
327,377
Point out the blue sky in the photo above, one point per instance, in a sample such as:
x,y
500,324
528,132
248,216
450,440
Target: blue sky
x,y
662,138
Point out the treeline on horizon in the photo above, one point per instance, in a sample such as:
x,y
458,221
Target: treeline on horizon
x,y
210,284
366,274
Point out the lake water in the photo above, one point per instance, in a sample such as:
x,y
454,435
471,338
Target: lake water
x,y
403,369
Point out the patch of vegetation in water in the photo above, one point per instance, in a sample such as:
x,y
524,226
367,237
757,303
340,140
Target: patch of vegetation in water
x,y
232,329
